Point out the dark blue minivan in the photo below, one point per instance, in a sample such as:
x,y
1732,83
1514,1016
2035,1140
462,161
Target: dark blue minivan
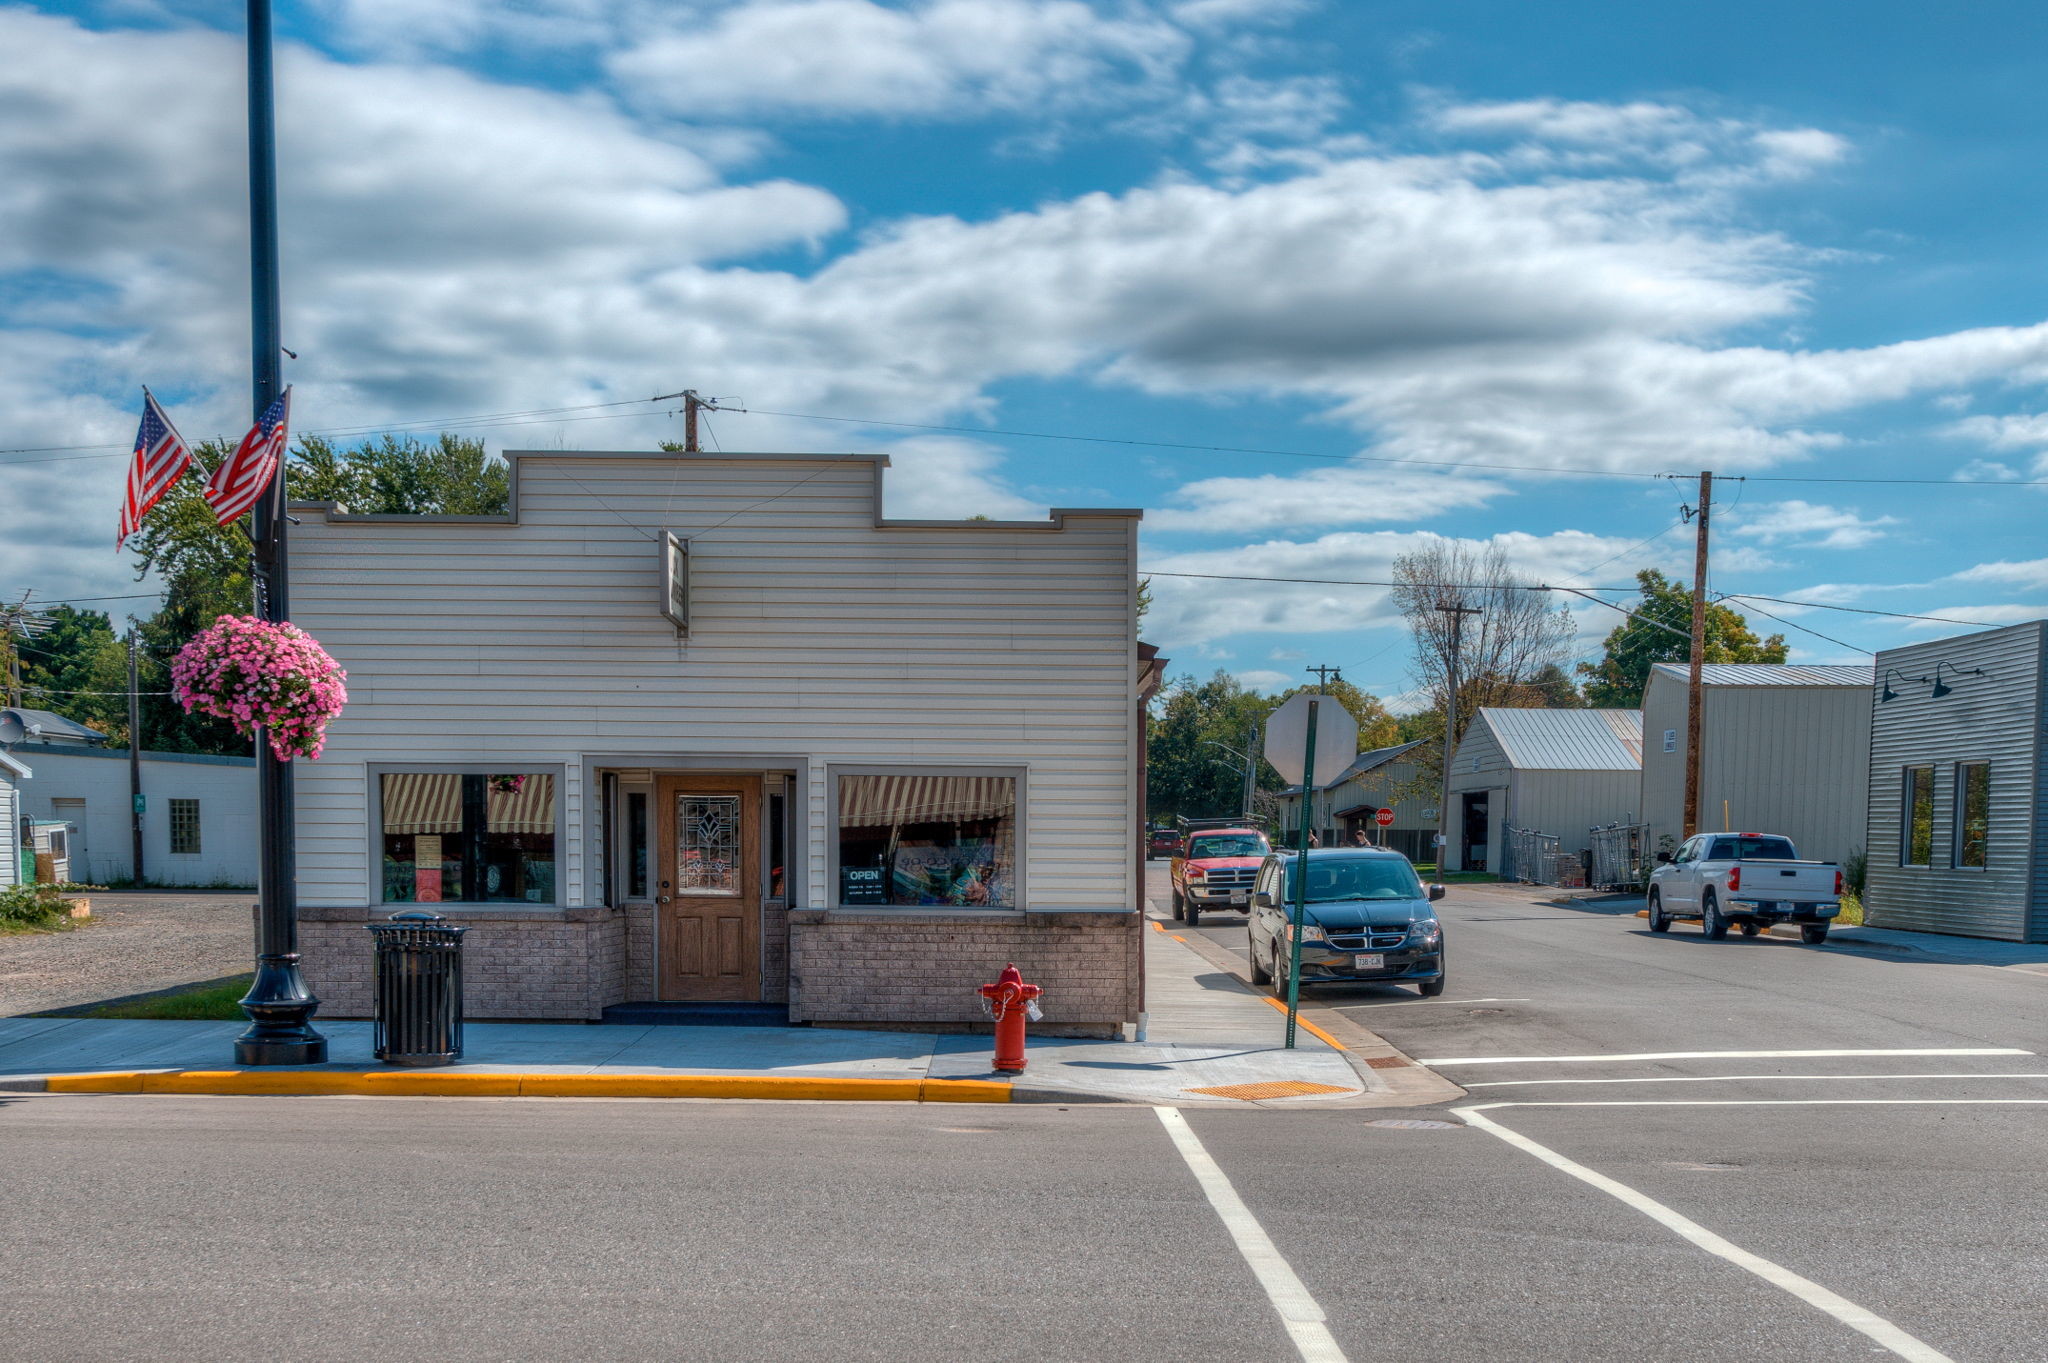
x,y
1368,921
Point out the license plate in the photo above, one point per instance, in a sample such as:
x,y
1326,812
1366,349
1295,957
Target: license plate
x,y
1372,962
1238,899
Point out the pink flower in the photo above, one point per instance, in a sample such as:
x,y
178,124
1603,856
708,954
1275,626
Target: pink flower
x,y
261,676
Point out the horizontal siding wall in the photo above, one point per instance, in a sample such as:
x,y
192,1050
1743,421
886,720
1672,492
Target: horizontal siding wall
x,y
1789,759
1569,803
10,831
1993,719
226,792
812,632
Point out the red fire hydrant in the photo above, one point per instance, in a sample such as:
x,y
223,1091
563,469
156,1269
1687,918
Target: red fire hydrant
x,y
1009,1001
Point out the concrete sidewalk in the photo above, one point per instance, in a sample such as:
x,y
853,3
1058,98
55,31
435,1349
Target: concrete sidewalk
x,y
1211,1040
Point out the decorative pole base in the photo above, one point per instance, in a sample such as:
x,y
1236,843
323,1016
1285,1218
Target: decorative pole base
x,y
279,1006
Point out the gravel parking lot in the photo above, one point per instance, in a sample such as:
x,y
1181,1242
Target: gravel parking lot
x,y
135,943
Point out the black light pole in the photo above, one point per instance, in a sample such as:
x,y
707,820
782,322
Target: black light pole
x,y
279,1003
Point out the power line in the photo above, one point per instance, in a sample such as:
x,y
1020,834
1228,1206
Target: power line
x,y
1839,643
1356,582
1854,610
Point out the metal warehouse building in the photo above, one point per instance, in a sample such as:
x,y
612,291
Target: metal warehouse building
x,y
1559,772
1783,749
1955,780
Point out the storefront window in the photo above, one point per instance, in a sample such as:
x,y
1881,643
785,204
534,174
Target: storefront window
x,y
468,838
1917,845
636,845
928,840
1973,811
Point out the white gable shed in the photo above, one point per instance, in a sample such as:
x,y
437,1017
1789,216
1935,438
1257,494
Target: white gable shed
x,y
1559,772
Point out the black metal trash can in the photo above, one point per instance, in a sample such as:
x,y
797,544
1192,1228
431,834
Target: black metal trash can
x,y
419,989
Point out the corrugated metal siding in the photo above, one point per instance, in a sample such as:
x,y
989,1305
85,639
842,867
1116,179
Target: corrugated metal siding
x,y
813,632
1996,718
1568,803
1786,759
1567,740
1770,674
1479,761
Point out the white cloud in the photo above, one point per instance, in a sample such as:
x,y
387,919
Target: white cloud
x,y
1194,609
2028,574
1986,471
846,57
1974,616
1348,495
944,479
2018,431
1265,681
1811,526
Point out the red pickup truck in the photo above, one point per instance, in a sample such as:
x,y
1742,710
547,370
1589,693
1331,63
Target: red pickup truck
x,y
1214,869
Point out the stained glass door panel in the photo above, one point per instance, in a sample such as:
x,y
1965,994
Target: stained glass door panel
x,y
708,892
708,844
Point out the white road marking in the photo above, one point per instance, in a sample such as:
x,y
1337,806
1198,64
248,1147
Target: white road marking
x,y
1419,1003
1306,1324
1731,1078
1786,1102
1710,1055
1812,1293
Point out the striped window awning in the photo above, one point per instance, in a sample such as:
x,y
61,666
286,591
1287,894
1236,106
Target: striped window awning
x,y
431,802
880,801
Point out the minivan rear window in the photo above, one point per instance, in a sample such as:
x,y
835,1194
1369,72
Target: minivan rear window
x,y
1752,849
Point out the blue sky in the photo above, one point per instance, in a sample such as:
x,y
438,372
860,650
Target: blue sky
x,y
1479,267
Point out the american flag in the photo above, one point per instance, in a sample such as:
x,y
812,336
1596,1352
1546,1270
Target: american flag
x,y
161,458
244,476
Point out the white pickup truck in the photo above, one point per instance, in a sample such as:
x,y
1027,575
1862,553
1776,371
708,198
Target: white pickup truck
x,y
1749,880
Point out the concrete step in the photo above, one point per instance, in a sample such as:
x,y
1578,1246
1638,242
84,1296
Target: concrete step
x,y
699,1014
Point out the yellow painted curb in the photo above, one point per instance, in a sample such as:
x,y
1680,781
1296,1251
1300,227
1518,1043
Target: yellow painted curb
x,y
1305,1024
447,1084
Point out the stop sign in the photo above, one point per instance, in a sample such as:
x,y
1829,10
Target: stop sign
x,y
1384,818
1287,738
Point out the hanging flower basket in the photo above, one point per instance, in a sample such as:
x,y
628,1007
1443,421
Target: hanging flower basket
x,y
255,674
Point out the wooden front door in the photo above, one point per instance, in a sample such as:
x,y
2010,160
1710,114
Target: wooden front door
x,y
708,892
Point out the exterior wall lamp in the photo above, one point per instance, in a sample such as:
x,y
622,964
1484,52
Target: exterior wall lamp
x,y
1941,690
1889,694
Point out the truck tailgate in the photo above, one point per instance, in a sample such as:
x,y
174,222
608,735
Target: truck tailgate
x,y
1800,880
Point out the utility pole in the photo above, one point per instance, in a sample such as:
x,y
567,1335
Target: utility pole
x,y
1443,806
693,404
1698,652
135,755
1251,768
13,666
279,1004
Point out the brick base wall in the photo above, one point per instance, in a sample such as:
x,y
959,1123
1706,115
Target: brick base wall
x,y
561,965
922,969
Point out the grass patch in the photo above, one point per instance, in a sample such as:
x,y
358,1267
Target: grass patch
x,y
1428,872
219,1001
36,908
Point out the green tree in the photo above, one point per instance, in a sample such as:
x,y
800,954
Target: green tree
x,y
205,567
79,669
1197,728
1551,688
1659,631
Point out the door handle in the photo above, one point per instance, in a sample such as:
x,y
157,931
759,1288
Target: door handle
x,y
662,900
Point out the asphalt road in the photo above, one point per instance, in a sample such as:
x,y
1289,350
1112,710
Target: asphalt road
x,y
1913,1185
1746,1211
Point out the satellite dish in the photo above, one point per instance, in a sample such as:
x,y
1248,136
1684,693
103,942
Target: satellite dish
x,y
12,730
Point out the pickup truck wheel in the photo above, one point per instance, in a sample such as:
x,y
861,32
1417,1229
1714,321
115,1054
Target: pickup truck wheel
x,y
1659,920
1260,975
1750,927
1193,914
1178,910
1813,934
1713,922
